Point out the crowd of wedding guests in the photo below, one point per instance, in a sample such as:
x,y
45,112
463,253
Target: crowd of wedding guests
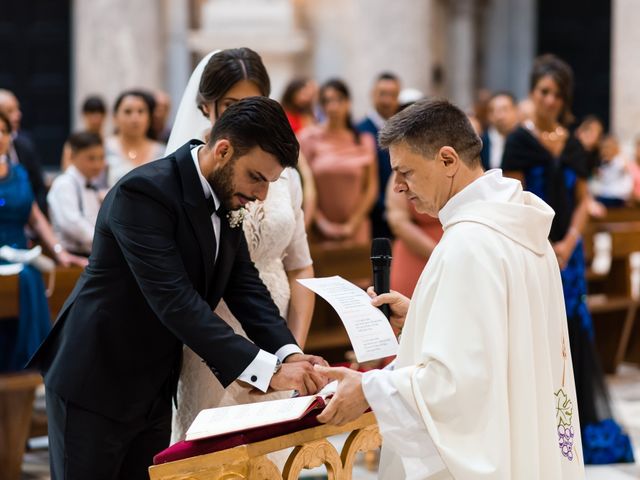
x,y
347,187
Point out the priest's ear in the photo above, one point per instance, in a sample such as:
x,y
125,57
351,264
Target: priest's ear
x,y
222,151
449,159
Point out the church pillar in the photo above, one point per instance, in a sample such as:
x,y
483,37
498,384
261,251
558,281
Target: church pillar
x,y
117,45
461,53
267,27
625,70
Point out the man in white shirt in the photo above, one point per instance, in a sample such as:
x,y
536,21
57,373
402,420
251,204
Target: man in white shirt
x,y
74,198
503,119
483,385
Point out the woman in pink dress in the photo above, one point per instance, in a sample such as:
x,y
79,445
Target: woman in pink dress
x,y
343,163
416,235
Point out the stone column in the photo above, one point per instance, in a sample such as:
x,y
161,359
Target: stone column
x,y
357,39
625,70
266,26
117,45
461,53
508,45
177,65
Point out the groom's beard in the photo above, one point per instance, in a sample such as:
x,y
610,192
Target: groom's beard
x,y
221,181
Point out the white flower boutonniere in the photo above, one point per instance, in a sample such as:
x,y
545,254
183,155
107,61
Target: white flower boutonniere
x,y
236,217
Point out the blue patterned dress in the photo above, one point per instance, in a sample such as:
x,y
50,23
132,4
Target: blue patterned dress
x,y
20,337
554,180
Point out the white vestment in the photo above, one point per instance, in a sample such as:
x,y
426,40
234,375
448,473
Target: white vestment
x,y
483,383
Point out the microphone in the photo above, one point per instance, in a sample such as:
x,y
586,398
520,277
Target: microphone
x,y
381,263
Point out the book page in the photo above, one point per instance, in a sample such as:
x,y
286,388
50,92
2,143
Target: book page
x,y
369,330
236,418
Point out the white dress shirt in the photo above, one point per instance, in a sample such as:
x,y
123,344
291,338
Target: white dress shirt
x,y
73,208
260,370
497,148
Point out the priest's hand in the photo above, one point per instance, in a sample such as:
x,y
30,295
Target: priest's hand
x,y
398,304
298,375
349,401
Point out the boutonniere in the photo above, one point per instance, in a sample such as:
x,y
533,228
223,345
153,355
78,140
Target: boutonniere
x,y
236,217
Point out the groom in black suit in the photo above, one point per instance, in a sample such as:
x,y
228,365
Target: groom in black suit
x,y
167,247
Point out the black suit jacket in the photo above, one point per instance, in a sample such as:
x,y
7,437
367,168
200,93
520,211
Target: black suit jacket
x,y
29,159
485,153
151,285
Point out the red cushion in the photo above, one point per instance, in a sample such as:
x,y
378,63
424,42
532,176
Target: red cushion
x,y
185,449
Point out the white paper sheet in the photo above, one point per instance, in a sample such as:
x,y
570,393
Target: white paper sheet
x,y
368,329
11,269
236,418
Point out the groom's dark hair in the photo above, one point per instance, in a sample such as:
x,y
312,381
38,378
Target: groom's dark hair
x,y
258,122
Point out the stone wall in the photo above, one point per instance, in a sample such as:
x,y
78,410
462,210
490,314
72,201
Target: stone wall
x,y
625,70
118,44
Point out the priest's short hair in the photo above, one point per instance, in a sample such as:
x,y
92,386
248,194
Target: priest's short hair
x,y
430,124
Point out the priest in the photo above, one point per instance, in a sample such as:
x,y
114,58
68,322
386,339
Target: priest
x,y
483,386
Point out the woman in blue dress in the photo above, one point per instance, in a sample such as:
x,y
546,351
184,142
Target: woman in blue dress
x,y
20,337
551,163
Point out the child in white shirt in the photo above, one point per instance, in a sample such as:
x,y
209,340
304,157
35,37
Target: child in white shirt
x,y
74,198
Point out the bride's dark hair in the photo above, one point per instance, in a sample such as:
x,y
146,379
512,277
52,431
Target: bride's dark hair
x,y
225,69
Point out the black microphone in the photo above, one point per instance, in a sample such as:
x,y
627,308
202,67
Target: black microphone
x,y
381,263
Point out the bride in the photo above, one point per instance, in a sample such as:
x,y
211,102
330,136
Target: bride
x,y
274,229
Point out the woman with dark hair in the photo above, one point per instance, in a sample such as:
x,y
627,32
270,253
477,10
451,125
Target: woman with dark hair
x,y
274,229
131,145
552,164
298,100
20,337
343,162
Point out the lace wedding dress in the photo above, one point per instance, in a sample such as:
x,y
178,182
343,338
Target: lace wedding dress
x,y
277,241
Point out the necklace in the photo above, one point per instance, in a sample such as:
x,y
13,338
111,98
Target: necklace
x,y
554,135
132,152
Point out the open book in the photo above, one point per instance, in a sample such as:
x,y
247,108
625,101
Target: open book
x,y
237,418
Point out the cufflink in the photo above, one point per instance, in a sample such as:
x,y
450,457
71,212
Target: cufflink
x,y
254,378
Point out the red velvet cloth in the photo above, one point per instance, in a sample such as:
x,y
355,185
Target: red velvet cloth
x,y
184,449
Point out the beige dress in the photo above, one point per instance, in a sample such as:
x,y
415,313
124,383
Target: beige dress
x,y
339,167
119,164
277,242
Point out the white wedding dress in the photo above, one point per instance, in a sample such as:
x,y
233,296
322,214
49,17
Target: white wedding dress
x,y
277,241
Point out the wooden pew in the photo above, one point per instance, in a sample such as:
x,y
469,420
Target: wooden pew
x,y
610,299
16,405
65,280
9,296
327,335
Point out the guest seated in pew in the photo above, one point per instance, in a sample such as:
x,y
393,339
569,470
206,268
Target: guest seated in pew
x,y
589,133
20,337
612,183
551,163
74,198
634,168
94,114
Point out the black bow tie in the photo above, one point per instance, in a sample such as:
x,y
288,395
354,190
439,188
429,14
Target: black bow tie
x,y
91,186
211,207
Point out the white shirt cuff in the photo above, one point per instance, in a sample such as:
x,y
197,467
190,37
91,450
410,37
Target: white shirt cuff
x,y
287,350
260,370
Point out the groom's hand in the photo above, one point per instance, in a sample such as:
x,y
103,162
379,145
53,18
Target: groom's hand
x,y
297,373
301,357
